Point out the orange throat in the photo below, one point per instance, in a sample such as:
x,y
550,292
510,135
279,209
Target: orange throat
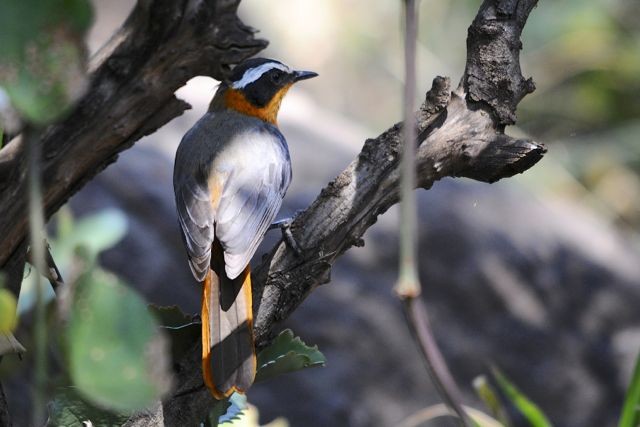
x,y
235,100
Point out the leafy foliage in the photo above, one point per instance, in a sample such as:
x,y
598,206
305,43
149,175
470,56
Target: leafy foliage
x,y
227,411
8,311
68,409
116,354
631,410
287,354
111,358
93,233
182,329
89,236
42,55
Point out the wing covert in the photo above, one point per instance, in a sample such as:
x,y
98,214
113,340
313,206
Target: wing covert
x,y
229,188
195,215
250,202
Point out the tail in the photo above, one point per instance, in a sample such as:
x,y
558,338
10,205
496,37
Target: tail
x,y
228,352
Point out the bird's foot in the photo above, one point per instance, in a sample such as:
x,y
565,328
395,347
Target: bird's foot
x,y
285,227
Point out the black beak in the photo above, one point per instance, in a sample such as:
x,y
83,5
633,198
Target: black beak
x,y
303,75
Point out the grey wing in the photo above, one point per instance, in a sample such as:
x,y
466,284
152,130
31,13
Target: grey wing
x,y
195,216
249,203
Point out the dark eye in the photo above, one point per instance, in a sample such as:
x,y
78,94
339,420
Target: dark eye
x,y
277,77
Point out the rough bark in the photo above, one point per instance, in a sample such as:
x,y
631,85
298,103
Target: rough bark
x,y
492,74
461,142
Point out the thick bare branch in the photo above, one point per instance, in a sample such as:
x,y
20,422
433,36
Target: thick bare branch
x,y
461,142
465,139
493,75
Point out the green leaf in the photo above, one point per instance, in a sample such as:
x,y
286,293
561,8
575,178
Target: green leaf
x,y
491,399
218,410
630,416
68,409
182,330
100,231
117,357
8,311
97,232
234,411
287,354
93,234
228,410
526,407
42,55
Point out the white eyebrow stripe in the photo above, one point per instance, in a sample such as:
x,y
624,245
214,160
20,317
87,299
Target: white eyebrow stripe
x,y
253,74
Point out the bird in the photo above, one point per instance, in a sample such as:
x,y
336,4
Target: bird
x,y
231,172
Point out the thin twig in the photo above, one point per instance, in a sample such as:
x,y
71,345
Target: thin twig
x,y
36,227
51,272
408,286
416,314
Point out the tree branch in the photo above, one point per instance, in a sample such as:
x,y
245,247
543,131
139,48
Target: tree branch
x,y
492,74
461,142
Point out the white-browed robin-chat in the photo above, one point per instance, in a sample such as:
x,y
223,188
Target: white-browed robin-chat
x,y
231,173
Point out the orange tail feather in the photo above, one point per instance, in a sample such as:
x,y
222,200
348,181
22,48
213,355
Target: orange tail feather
x,y
228,352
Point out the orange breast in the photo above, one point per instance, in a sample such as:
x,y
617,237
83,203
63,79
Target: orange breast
x,y
235,100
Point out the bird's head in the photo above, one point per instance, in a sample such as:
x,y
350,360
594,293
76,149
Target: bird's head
x,y
256,87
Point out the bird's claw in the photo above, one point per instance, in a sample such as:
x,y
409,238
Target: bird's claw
x,y
285,227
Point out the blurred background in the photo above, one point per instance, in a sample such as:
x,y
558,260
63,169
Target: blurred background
x,y
538,274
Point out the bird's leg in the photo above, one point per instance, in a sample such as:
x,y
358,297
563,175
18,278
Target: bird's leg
x,y
285,226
